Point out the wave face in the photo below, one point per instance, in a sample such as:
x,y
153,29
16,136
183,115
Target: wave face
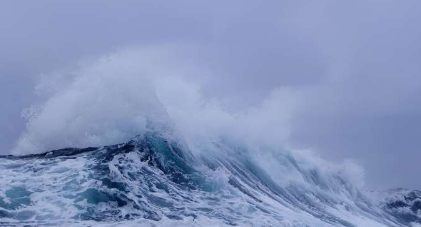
x,y
155,181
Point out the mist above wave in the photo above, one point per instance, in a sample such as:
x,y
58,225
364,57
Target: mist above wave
x,y
104,102
133,91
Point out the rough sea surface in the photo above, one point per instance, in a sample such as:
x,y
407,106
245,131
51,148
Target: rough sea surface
x,y
155,181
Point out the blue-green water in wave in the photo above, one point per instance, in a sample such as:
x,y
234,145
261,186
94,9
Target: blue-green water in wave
x,y
153,180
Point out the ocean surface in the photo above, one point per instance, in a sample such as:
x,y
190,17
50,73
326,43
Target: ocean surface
x,y
153,180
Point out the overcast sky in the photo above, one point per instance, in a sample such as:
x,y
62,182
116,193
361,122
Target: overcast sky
x,y
356,64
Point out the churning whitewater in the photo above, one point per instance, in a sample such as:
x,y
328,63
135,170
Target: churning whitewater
x,y
115,145
154,181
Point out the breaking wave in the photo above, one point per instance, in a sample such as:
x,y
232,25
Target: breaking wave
x,y
192,163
